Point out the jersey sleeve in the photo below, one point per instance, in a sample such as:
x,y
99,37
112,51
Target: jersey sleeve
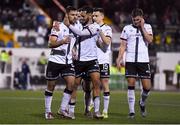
x,y
149,29
108,32
79,32
56,33
94,28
124,34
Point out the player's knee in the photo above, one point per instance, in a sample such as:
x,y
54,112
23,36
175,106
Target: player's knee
x,y
51,87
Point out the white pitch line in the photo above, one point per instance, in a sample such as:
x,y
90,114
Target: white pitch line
x,y
40,99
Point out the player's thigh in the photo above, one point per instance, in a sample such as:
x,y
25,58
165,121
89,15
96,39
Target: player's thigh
x,y
92,66
95,76
104,70
79,68
131,73
69,79
104,75
131,70
144,70
78,81
52,71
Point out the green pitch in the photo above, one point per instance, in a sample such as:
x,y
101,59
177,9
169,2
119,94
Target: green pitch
x,y
28,107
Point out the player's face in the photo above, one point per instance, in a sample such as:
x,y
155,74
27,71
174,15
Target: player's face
x,y
136,20
72,16
79,15
98,17
84,17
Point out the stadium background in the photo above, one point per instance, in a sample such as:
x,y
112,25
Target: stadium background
x,y
24,29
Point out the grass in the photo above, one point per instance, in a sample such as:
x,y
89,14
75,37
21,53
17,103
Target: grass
x,y
27,107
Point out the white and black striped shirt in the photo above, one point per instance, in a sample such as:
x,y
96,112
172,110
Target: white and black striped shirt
x,y
137,47
65,48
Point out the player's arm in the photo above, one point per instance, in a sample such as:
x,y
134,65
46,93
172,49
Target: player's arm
x,y
106,39
77,31
54,42
122,49
147,37
84,32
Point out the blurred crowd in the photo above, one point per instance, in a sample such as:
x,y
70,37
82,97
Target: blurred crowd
x,y
162,14
19,15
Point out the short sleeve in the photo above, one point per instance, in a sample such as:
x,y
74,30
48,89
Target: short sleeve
x,y
54,32
108,32
94,28
149,29
124,34
59,34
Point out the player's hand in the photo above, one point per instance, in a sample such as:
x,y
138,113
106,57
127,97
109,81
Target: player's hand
x,y
119,63
98,43
56,25
142,23
66,40
74,54
66,20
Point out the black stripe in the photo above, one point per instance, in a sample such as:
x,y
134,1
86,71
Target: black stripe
x,y
54,35
146,90
95,97
106,93
72,103
102,25
108,36
46,93
89,31
136,48
68,50
123,39
131,87
67,91
79,50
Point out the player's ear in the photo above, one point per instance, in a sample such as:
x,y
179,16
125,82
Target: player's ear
x,y
66,15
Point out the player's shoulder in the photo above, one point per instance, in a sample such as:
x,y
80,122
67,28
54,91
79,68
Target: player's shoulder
x,y
129,26
94,24
79,25
62,25
147,25
105,26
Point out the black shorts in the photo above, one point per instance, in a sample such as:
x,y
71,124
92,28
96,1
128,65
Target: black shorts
x,y
86,76
104,70
82,67
54,70
141,70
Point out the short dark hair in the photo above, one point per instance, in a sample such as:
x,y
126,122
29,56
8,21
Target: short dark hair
x,y
137,12
70,8
101,10
87,9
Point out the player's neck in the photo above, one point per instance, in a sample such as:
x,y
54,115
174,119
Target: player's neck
x,y
90,22
101,23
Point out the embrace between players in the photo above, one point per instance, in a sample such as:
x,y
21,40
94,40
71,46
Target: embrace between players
x,y
80,54
80,50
